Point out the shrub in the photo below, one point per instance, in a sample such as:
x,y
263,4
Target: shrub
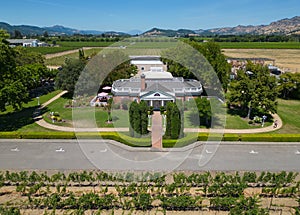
x,y
48,135
257,119
250,122
188,139
270,137
9,135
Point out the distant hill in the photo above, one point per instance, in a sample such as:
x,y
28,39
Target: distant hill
x,y
168,33
283,27
54,30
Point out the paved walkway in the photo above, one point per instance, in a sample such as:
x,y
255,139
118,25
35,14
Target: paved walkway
x,y
157,130
40,121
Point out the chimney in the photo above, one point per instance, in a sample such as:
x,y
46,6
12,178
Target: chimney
x,y
143,83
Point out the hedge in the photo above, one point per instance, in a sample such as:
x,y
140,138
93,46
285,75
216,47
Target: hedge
x,y
218,137
270,137
146,142
119,137
188,139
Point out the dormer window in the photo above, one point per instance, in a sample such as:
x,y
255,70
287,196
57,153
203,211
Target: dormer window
x,y
156,94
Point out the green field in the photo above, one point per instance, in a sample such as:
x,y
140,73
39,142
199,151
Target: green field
x,y
66,46
84,44
57,61
259,45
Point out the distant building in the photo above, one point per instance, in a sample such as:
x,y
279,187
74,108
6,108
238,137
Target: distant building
x,y
26,42
155,86
145,63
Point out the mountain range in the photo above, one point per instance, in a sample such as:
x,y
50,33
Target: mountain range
x,y
285,26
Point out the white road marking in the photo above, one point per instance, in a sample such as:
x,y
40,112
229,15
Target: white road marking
x,y
297,152
208,152
15,150
104,150
60,150
253,152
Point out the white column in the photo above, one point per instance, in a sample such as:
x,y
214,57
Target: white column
x,y
151,103
162,103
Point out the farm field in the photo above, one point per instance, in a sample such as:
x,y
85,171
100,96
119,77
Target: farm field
x,y
99,192
259,45
58,59
285,59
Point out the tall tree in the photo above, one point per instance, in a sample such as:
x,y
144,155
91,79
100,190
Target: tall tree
x,y
254,91
213,54
289,85
67,77
204,110
138,118
18,34
12,90
173,124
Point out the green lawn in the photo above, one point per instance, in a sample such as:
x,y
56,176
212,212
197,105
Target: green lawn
x,y
61,59
22,120
289,111
232,122
86,114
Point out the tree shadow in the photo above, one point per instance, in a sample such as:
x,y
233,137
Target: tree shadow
x,y
237,111
18,119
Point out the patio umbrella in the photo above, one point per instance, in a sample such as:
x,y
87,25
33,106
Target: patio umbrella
x,y
106,88
102,94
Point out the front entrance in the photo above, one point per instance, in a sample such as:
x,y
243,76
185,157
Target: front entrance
x,y
156,105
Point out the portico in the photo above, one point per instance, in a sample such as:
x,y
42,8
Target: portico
x,y
157,99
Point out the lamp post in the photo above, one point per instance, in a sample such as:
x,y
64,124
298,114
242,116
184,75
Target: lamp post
x,y
264,117
38,100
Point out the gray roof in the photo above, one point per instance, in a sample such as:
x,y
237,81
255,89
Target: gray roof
x,y
22,40
175,85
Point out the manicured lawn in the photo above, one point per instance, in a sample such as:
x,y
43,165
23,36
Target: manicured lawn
x,y
22,120
85,115
289,111
232,122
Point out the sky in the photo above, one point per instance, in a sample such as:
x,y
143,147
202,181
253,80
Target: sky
x,y
127,15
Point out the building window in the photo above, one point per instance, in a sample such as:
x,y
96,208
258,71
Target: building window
x,y
142,68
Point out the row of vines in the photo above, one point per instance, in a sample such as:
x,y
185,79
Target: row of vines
x,y
77,192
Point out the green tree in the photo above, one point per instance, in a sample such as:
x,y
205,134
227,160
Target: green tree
x,y
173,121
213,53
67,77
181,55
254,92
289,85
17,34
24,57
138,118
204,110
3,35
12,89
144,117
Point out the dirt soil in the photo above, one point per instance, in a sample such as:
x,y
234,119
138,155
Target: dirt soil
x,y
288,60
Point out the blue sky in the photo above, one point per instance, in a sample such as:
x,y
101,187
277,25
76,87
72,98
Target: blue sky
x,y
126,15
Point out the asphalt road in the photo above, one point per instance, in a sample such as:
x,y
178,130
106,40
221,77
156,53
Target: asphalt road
x,y
108,155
